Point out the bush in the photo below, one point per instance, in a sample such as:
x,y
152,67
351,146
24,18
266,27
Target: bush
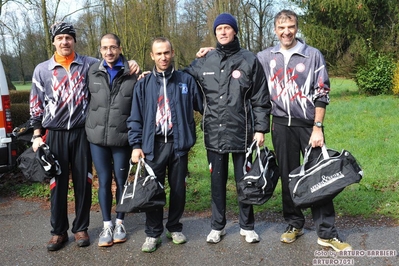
x,y
19,107
395,82
375,77
19,97
19,113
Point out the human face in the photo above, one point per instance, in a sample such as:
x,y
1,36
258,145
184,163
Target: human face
x,y
224,34
286,30
162,54
64,44
110,51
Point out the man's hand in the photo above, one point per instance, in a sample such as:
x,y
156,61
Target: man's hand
x,y
142,75
317,137
37,142
203,51
136,155
260,138
133,67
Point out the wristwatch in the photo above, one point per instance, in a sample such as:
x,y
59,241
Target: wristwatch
x,y
318,124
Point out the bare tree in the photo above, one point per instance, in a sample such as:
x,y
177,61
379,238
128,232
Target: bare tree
x,y
257,18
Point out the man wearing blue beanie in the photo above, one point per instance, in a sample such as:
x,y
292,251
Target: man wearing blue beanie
x,y
225,18
237,113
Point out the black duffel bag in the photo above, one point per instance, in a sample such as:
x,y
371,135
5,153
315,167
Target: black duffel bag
x,y
260,179
144,194
40,165
323,178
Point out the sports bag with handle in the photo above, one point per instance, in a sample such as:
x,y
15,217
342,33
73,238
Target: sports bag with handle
x,y
321,179
258,183
40,165
146,193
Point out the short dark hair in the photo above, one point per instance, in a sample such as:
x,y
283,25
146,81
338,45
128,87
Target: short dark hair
x,y
112,36
161,39
284,15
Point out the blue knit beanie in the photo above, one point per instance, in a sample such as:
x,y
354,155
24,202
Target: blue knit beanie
x,y
225,18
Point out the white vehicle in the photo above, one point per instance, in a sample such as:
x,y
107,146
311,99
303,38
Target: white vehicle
x,y
8,149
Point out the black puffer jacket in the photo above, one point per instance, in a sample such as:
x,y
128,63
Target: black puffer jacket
x,y
236,98
109,108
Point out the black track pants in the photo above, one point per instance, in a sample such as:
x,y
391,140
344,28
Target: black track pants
x,y
289,144
71,149
165,158
219,174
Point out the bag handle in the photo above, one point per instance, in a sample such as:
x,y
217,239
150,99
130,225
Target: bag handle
x,y
140,164
149,170
308,150
147,167
138,169
249,152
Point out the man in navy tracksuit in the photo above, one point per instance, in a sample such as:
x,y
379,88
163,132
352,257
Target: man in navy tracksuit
x,y
162,130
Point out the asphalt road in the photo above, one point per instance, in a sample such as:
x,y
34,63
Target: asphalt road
x,y
25,231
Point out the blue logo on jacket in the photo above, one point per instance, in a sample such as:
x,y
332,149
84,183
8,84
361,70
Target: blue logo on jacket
x,y
183,87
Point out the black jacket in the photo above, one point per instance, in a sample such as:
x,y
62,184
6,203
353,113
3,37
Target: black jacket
x,y
109,108
184,97
236,98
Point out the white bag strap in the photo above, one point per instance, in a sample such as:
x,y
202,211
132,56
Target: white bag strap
x,y
136,176
140,164
147,167
325,152
127,181
308,150
249,153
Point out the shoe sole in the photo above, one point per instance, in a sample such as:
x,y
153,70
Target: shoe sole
x,y
179,242
253,240
324,244
289,241
83,244
153,249
56,248
117,241
105,244
223,233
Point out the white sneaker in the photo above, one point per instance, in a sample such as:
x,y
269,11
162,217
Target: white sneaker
x,y
214,236
250,235
151,244
177,237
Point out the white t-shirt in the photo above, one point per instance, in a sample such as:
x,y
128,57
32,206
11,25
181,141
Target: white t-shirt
x,y
288,53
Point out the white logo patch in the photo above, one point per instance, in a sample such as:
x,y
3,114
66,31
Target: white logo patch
x,y
236,74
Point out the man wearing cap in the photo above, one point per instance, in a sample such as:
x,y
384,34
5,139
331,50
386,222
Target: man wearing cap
x,y
58,103
237,108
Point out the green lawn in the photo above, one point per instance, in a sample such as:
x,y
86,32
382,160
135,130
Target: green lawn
x,y
23,87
